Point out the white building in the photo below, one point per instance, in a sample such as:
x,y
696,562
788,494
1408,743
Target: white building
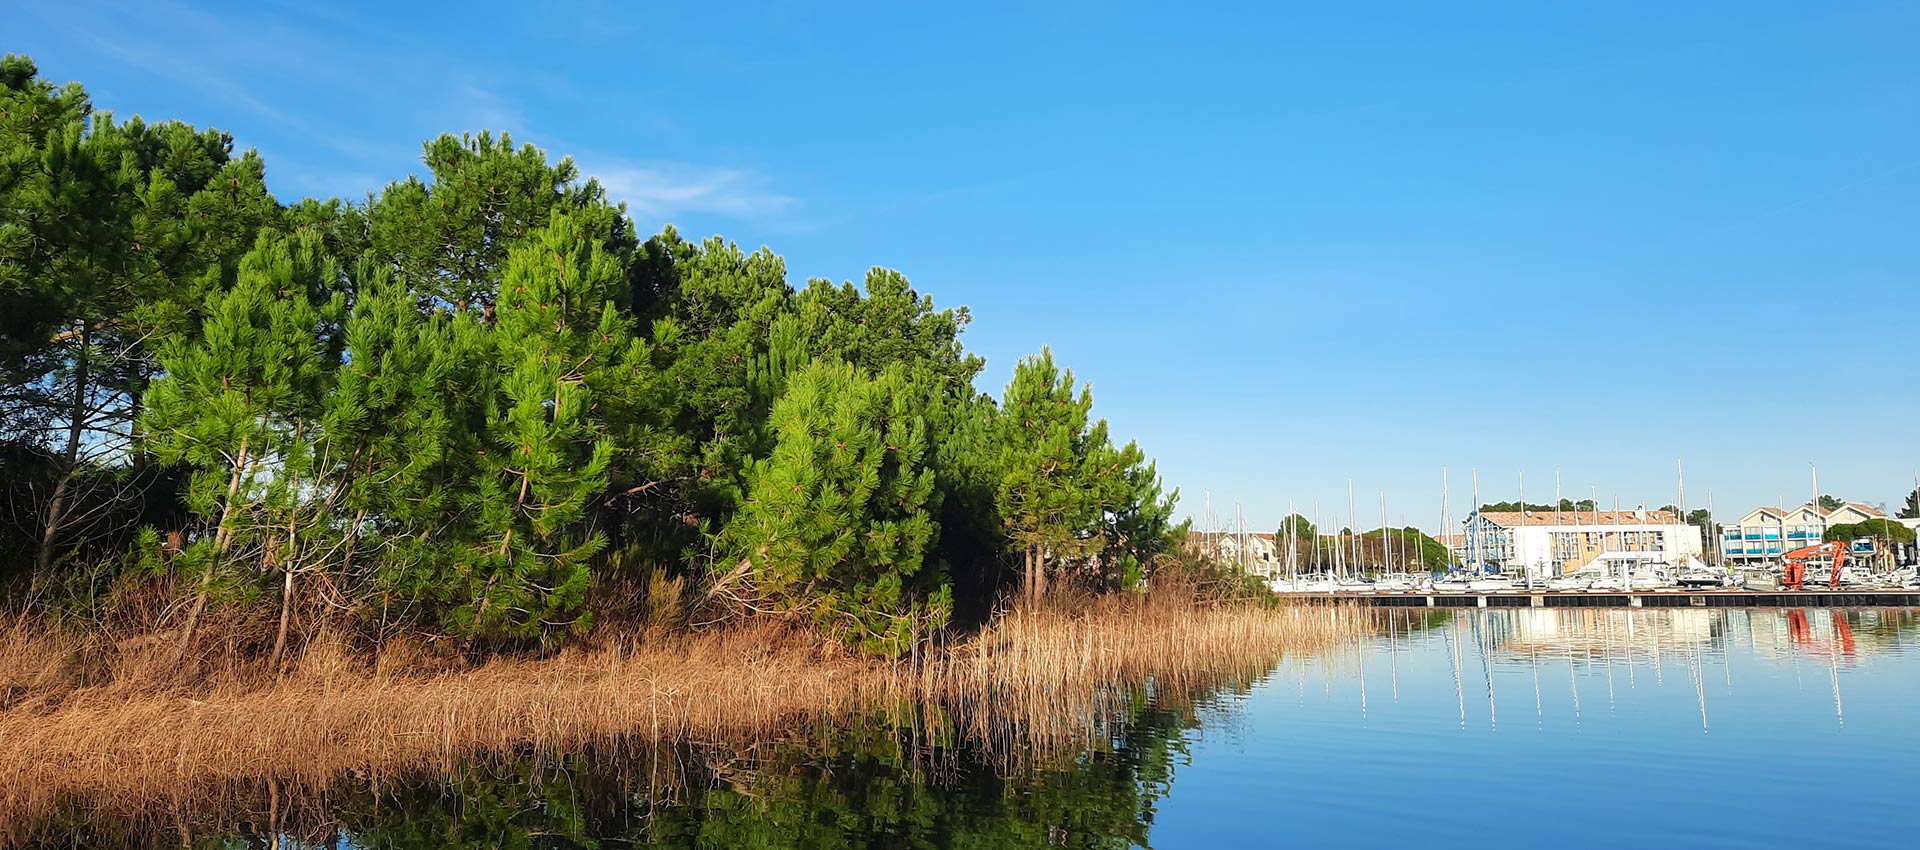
x,y
1765,533
1544,544
1255,553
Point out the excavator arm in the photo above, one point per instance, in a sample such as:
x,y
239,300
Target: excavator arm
x,y
1794,571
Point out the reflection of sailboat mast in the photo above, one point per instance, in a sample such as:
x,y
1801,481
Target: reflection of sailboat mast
x,y
1539,713
1480,639
1573,681
1631,682
1726,645
1453,654
1609,657
1833,665
1668,617
1393,651
1696,667
1362,649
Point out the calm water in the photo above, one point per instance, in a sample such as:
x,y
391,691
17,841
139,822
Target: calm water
x,y
1580,728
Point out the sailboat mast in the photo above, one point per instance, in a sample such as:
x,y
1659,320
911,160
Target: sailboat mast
x,y
1206,524
1353,537
1680,471
1514,535
1627,570
1712,543
1477,557
1386,554
1818,510
1316,537
1553,549
1293,548
1593,501
1240,538
1406,556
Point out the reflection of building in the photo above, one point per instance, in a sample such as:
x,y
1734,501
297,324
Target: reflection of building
x,y
1602,630
1842,636
1547,543
1765,533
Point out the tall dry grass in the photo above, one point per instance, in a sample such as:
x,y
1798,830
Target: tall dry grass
x,y
82,720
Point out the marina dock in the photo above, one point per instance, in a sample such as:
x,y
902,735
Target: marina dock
x,y
1666,598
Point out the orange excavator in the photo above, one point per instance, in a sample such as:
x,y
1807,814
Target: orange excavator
x,y
1794,574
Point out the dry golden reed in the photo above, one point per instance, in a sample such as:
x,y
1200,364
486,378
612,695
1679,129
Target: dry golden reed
x,y
111,731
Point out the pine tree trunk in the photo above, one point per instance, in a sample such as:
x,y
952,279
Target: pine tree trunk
x,y
70,459
1040,572
221,538
286,611
1027,576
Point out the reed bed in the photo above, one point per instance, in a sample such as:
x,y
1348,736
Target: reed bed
x,y
1061,677
113,734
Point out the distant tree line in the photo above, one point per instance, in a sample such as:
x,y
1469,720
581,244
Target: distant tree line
x,y
475,402
1567,505
1407,547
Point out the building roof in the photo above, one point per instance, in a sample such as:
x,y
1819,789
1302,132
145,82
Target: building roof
x,y
1869,510
1510,519
1203,536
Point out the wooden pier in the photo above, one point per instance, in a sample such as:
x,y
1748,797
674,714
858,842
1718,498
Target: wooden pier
x,y
1636,599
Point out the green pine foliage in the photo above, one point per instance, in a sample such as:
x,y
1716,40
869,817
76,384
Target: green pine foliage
x,y
1046,446
543,453
240,403
471,401
839,520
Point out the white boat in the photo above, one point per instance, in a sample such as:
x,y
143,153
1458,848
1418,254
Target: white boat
x,y
1352,583
1705,578
1642,577
1490,584
1397,582
1823,576
1454,583
1311,583
1572,582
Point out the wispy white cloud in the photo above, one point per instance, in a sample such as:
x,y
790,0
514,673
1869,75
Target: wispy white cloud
x,y
267,62
472,107
664,190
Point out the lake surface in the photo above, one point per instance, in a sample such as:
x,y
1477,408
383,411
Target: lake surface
x,y
1573,728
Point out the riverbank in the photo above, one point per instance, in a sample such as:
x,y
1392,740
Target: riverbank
x,y
104,725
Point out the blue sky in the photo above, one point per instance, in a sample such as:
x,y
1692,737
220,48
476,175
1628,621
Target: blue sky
x,y
1289,245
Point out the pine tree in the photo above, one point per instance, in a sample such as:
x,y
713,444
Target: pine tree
x,y
1048,510
544,453
714,344
111,235
240,404
451,237
839,522
1138,517
403,427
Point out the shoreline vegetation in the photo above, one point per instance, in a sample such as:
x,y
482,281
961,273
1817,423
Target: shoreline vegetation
x,y
294,490
476,406
112,730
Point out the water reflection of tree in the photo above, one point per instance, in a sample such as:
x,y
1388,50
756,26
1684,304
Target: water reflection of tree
x,y
875,782
854,788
